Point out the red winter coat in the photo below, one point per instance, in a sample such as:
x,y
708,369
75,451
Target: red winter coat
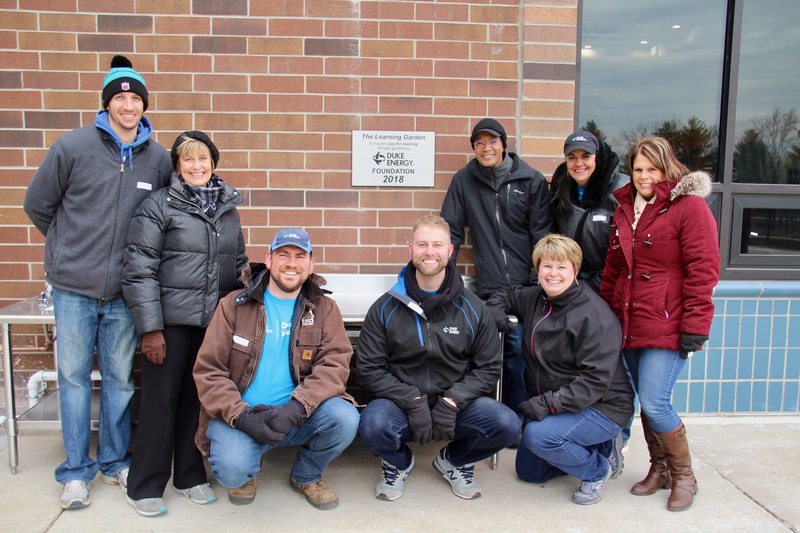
x,y
659,280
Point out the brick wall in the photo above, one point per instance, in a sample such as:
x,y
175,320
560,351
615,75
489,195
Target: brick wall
x,y
280,85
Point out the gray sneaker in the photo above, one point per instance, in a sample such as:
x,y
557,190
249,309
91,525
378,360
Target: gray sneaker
x,y
75,495
200,494
460,477
149,506
120,478
616,460
591,491
390,487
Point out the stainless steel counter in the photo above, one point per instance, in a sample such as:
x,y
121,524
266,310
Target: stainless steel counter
x,y
29,311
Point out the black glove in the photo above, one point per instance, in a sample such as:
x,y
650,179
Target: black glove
x,y
288,416
419,419
534,409
444,420
253,421
504,325
538,407
691,343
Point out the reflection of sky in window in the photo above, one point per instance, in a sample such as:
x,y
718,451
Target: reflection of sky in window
x,y
641,70
768,72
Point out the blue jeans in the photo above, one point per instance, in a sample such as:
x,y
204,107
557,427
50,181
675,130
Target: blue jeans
x,y
577,444
482,428
84,325
514,388
654,373
235,458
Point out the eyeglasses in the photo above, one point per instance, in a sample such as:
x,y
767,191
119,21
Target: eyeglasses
x,y
492,143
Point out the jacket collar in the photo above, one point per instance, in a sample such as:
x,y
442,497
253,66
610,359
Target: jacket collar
x,y
255,277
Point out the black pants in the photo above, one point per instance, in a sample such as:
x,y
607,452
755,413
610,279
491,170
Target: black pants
x,y
168,415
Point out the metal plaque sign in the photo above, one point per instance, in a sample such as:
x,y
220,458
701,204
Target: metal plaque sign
x,y
393,158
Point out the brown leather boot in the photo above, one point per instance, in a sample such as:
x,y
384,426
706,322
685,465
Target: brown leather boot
x,y
679,462
318,494
243,495
658,476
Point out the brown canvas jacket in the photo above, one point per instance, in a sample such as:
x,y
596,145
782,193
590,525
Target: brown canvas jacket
x,y
229,356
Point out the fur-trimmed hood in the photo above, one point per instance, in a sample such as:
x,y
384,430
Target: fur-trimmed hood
x,y
697,183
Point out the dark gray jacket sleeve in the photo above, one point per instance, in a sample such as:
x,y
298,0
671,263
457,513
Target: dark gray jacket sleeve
x,y
454,213
46,189
141,262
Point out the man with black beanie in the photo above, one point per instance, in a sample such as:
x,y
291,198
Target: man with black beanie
x,y
505,203
82,199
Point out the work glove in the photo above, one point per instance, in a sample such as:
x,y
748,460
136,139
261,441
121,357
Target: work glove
x,y
691,343
253,421
504,325
154,347
444,420
419,419
538,407
288,416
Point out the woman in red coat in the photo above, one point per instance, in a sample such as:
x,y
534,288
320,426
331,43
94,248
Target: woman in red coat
x,y
661,269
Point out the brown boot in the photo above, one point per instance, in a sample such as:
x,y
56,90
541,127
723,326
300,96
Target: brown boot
x,y
318,494
679,462
243,495
658,476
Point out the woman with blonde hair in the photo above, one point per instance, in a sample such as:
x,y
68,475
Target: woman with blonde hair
x,y
185,251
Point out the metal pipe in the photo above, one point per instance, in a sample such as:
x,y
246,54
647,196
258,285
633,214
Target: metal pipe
x,y
35,388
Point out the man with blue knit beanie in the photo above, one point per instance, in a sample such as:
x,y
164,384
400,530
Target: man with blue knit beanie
x,y
82,199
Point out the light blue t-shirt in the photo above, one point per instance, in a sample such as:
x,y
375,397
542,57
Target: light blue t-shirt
x,y
581,190
272,384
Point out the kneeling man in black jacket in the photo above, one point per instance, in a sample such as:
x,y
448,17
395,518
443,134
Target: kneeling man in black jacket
x,y
429,353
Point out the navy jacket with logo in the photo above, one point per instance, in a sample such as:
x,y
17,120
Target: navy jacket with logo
x,y
402,354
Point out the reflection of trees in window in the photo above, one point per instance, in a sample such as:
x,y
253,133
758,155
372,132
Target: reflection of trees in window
x,y
694,142
769,151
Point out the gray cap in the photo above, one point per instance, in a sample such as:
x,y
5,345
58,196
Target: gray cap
x,y
581,140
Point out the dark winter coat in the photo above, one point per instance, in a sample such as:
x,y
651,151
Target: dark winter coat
x,y
82,199
588,221
506,215
659,279
571,348
403,354
319,350
179,262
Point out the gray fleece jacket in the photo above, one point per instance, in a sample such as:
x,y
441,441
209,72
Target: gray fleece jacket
x,y
82,199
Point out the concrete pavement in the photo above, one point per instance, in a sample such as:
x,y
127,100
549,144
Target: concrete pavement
x,y
747,470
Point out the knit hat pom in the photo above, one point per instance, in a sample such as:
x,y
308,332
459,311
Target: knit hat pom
x,y
122,78
121,61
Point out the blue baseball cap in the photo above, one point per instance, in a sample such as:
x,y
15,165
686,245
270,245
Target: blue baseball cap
x,y
291,237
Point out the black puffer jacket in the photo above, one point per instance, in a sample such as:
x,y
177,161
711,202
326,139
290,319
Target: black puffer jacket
x,y
507,216
588,221
179,262
571,344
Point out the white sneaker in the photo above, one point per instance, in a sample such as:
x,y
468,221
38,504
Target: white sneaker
x,y
75,495
149,506
460,477
390,487
200,494
120,478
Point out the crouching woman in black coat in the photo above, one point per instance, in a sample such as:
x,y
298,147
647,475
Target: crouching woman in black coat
x,y
579,397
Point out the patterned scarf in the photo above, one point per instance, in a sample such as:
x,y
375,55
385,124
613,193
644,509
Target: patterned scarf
x,y
205,197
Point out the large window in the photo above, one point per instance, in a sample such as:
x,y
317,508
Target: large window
x,y
718,79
